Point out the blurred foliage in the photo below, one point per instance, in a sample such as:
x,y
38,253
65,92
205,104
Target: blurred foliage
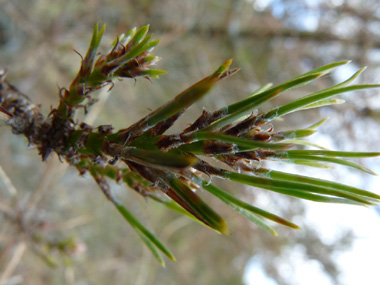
x,y
271,43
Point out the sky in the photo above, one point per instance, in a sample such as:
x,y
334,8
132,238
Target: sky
x,y
360,264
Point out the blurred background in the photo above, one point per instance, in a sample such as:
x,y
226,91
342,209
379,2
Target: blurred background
x,y
51,207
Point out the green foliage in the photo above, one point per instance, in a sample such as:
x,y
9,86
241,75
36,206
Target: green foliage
x,y
168,168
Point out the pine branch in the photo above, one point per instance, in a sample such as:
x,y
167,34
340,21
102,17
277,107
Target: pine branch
x,y
171,168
